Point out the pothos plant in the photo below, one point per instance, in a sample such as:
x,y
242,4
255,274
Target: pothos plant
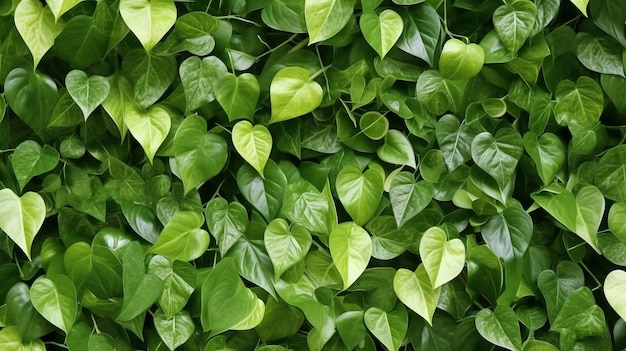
x,y
312,175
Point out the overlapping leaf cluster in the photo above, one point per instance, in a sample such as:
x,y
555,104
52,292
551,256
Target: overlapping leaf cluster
x,y
312,175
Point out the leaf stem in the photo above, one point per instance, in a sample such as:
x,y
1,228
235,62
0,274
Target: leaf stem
x,y
245,20
270,49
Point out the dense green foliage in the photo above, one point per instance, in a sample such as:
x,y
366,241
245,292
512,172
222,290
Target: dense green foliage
x,y
312,175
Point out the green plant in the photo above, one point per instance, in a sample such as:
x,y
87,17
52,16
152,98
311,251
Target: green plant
x,y
312,174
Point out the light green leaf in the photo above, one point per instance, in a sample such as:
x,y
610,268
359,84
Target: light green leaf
x,y
182,239
285,15
374,125
514,23
59,7
443,259
381,31
10,339
149,20
388,327
30,160
359,193
498,155
87,92
305,205
199,155
459,60
581,102
325,18
548,153
253,143
397,149
286,245
120,95
174,331
581,5
614,287
293,94
351,249
149,128
227,222
407,197
500,327
37,26
54,297
21,217
238,95
416,292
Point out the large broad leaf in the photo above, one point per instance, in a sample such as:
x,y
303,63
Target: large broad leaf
x,y
580,315
351,328
238,95
174,331
227,222
581,102
149,20
416,292
29,159
265,194
514,23
408,198
150,75
325,18
351,250
498,155
614,285
286,245
150,128
54,298
381,31
253,262
548,153
199,155
197,77
21,217
610,174
253,143
293,94
141,290
500,327
359,192
37,26
226,303
389,241
305,205
421,32
459,60
302,294
443,259
182,239
557,286
10,339
20,310
602,55
87,92
509,233
388,327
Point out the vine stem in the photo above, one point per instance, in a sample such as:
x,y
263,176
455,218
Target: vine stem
x,y
245,20
56,344
323,70
270,49
444,23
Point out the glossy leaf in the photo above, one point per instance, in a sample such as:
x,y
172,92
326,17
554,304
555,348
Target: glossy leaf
x,y
21,217
388,327
459,60
381,31
37,26
351,249
238,95
286,246
359,192
514,23
253,143
174,331
141,290
149,127
579,102
293,94
416,292
148,20
29,160
498,155
87,92
408,198
182,239
443,259
227,222
326,18
500,327
548,153
55,299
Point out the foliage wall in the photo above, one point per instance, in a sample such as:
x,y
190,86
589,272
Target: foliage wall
x,y
312,175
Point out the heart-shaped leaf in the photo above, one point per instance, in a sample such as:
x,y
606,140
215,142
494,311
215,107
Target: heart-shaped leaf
x,y
293,94
514,23
408,198
325,18
557,286
388,327
238,95
37,26
455,141
29,159
265,194
500,327
21,217
182,239
54,298
581,102
59,7
286,246
421,31
548,153
397,149
580,315
10,339
20,309
149,20
509,233
614,287
227,222
197,77
374,125
174,331
610,174
149,128
359,192
416,292
141,290
381,31
87,92
351,250
120,95
443,259
179,282
253,143
459,60
498,155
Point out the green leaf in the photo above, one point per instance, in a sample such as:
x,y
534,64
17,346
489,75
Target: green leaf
x,y
602,55
59,7
54,298
580,315
498,155
37,26
182,239
610,17
381,31
509,233
388,327
265,194
149,127
421,31
253,143
556,287
174,331
179,281
548,153
227,222
293,94
443,259
374,125
359,193
351,249
197,77
614,285
325,18
141,290
285,15
148,20
87,92
407,197
610,174
286,245
389,241
30,160
581,5
514,23
397,149
10,339
238,95
226,303
150,74
120,95
305,205
612,86
455,141
416,292
29,322
21,217
459,60
581,102
500,327
199,155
